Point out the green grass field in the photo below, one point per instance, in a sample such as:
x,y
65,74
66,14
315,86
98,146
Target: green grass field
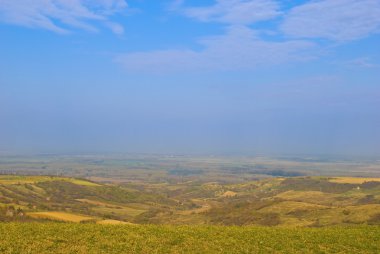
x,y
92,238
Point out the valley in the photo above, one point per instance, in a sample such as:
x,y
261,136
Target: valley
x,y
195,192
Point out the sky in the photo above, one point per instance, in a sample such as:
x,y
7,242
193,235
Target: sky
x,y
190,77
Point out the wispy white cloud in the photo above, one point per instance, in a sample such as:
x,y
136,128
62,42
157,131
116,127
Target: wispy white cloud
x,y
115,27
362,62
339,20
62,15
239,49
232,11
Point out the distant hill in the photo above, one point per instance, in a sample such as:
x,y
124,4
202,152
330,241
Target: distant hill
x,y
294,201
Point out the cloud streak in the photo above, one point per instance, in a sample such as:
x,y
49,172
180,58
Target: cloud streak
x,y
293,39
363,62
61,16
239,49
233,11
338,20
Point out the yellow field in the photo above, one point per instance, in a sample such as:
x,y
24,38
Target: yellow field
x,y
111,208
113,222
14,179
61,216
353,180
79,182
292,206
229,194
361,213
7,179
314,197
98,203
123,211
353,214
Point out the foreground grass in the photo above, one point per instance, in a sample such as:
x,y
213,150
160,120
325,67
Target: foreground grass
x,y
92,238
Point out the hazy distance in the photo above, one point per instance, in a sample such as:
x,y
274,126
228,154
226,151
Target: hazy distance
x,y
191,77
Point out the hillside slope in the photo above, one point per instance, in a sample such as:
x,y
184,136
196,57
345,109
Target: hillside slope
x,y
297,201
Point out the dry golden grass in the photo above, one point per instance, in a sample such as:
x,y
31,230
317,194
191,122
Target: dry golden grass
x,y
113,222
292,206
204,207
354,180
359,214
121,210
313,197
229,194
349,214
14,179
79,182
94,202
61,216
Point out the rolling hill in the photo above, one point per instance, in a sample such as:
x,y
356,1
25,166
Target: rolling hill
x,y
295,201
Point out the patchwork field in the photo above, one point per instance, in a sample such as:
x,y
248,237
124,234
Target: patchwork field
x,y
289,202
281,192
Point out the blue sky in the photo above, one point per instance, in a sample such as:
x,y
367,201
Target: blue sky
x,y
182,76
